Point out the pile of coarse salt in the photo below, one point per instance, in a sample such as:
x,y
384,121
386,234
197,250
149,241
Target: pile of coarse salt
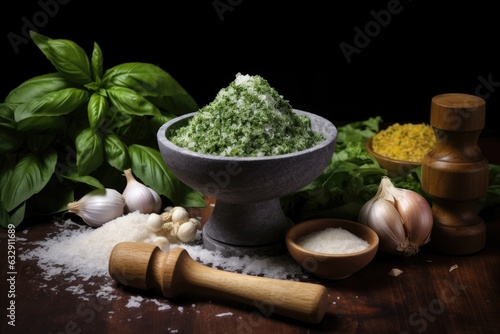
x,y
333,240
83,252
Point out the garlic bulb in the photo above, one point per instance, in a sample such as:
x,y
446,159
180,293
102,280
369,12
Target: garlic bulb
x,y
139,197
98,206
402,218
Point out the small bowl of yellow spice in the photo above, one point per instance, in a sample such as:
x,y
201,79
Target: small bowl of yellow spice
x,y
401,147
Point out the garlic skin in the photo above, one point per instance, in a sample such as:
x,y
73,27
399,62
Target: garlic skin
x,y
402,218
98,206
139,197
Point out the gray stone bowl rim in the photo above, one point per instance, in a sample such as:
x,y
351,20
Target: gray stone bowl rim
x,y
330,136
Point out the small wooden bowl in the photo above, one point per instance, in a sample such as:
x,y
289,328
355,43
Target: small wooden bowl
x,y
394,167
331,266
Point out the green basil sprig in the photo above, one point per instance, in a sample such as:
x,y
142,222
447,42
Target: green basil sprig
x,y
65,133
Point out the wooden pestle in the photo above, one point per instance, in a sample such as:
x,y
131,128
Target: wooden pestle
x,y
146,267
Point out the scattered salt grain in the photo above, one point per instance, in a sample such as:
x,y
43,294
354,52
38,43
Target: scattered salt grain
x,y
333,240
224,314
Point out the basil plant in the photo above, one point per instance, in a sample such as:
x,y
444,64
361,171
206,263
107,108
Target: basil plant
x,y
65,133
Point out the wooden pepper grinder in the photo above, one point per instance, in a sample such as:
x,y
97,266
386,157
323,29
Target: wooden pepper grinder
x,y
455,174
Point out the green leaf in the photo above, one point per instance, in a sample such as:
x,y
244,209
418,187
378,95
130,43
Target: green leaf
x,y
41,124
15,217
148,165
38,142
29,176
153,82
53,104
178,104
97,62
97,109
146,79
129,102
37,87
85,179
66,56
7,167
89,151
10,138
116,152
157,121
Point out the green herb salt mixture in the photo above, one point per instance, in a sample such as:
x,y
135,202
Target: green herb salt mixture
x,y
247,119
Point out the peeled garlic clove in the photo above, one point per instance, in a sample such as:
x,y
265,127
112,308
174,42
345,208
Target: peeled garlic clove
x,y
139,197
154,222
98,206
187,231
179,215
162,243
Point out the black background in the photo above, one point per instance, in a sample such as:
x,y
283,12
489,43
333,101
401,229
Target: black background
x,y
422,50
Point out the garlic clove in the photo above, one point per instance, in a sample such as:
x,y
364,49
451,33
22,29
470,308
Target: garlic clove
x,y
179,215
156,201
154,222
139,197
417,215
385,220
187,231
98,206
162,243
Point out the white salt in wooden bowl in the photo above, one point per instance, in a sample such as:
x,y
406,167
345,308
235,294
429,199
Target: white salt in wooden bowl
x,y
336,251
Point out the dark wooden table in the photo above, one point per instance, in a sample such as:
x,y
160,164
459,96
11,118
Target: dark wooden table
x,y
429,297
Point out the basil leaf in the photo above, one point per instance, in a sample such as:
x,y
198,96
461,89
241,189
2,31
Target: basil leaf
x,y
38,142
37,87
15,217
7,167
116,152
53,104
97,110
179,104
66,56
10,139
157,121
154,83
29,176
89,151
97,62
146,79
148,165
129,102
73,175
41,124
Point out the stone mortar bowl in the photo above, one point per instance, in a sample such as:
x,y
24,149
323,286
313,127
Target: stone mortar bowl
x,y
247,217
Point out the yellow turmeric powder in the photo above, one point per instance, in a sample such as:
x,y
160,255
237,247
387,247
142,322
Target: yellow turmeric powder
x,y
408,142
